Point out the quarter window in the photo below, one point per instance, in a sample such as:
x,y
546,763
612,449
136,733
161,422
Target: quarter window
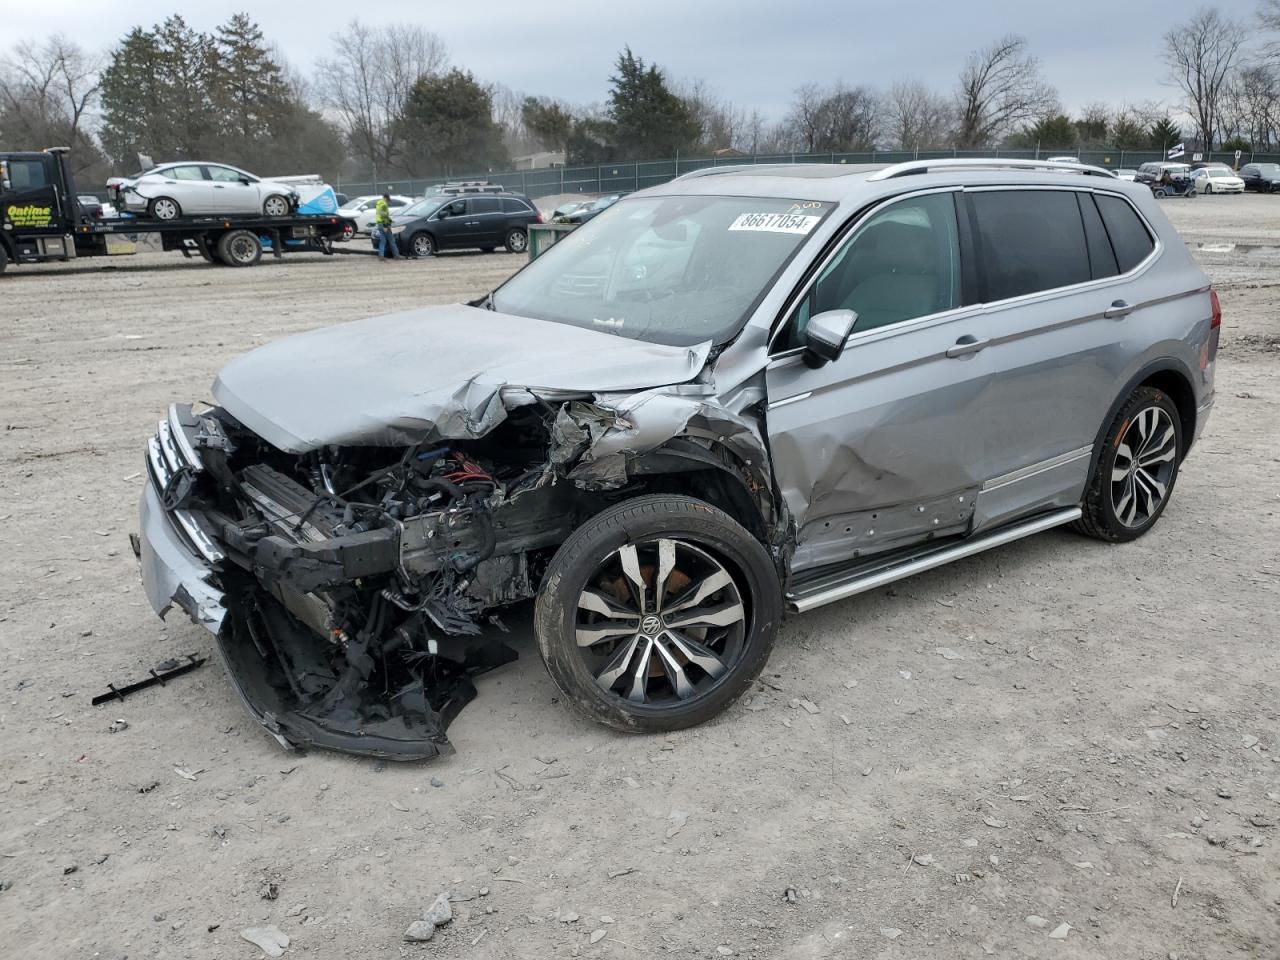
x,y
902,263
1129,237
1031,240
511,205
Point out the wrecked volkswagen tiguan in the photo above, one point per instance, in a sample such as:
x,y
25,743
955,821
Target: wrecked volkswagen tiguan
x,y
748,390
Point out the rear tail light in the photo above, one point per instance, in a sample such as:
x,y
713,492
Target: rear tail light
x,y
1209,350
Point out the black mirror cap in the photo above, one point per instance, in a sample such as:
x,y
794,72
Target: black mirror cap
x,y
826,334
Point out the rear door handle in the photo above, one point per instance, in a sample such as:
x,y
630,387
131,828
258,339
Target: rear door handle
x,y
1117,311
968,345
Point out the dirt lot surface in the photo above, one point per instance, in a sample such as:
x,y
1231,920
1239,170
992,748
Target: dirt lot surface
x,y
1056,732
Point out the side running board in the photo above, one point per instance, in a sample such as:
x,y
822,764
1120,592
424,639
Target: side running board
x,y
835,586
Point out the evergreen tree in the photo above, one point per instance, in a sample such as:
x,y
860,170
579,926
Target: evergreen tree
x,y
249,89
132,100
548,123
448,126
648,119
1164,134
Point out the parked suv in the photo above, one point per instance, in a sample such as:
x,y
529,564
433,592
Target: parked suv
x,y
1263,177
745,391
448,222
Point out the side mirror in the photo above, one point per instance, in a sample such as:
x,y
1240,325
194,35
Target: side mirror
x,y
246,181
825,336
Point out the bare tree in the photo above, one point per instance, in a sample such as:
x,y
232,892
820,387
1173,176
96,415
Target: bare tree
x,y
368,80
1201,54
835,119
1251,107
47,94
1000,89
721,124
917,117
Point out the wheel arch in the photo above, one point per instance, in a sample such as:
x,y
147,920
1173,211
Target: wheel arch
x,y
1168,375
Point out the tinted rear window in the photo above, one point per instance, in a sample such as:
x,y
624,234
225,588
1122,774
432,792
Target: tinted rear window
x,y
1031,240
511,205
1129,237
1102,259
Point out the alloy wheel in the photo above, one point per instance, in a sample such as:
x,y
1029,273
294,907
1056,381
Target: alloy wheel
x,y
1144,464
422,245
660,622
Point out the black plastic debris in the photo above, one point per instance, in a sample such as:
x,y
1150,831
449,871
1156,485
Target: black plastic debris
x,y
157,675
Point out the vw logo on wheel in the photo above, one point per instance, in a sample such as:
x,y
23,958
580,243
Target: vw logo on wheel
x,y
650,625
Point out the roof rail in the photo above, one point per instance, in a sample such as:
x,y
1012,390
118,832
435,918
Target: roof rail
x,y
988,163
735,168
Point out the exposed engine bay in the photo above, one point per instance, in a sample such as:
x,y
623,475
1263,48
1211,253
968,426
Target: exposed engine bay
x,y
356,590
396,559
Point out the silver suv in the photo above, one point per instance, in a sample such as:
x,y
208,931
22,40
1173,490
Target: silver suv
x,y
750,390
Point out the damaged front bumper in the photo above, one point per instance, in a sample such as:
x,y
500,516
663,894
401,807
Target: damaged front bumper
x,y
290,679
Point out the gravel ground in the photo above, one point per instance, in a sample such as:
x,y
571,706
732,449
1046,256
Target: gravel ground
x,y
1056,732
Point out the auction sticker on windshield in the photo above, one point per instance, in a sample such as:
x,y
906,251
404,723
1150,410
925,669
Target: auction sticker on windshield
x,y
775,222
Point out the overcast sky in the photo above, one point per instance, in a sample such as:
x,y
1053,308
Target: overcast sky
x,y
755,52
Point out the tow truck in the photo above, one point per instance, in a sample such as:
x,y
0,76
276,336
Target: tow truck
x,y
41,220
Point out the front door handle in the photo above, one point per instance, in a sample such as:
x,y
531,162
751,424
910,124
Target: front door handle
x,y
967,346
1117,311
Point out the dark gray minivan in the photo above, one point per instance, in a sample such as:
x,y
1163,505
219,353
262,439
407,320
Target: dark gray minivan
x,y
483,221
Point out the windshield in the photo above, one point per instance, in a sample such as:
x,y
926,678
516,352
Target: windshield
x,y
422,208
673,270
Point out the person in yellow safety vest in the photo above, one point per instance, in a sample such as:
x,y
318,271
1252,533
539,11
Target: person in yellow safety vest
x,y
382,221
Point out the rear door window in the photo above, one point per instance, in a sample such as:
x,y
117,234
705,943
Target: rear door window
x,y
1030,241
183,173
1129,237
479,205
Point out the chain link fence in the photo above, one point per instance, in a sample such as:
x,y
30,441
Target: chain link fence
x,y
625,177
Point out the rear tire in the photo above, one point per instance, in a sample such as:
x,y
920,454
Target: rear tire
x,y
239,248
517,240
1135,472
4,257
714,617
164,208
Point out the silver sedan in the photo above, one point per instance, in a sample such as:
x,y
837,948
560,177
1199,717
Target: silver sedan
x,y
194,188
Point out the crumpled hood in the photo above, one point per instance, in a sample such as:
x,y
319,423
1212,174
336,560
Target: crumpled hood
x,y
428,374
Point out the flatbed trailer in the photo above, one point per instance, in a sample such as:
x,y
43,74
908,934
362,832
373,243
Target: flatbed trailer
x,y
41,221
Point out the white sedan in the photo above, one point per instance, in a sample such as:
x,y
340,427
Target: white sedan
x,y
1217,180
362,210
196,188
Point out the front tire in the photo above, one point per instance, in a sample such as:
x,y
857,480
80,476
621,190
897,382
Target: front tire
x,y
657,614
275,206
1135,472
422,245
164,208
517,240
